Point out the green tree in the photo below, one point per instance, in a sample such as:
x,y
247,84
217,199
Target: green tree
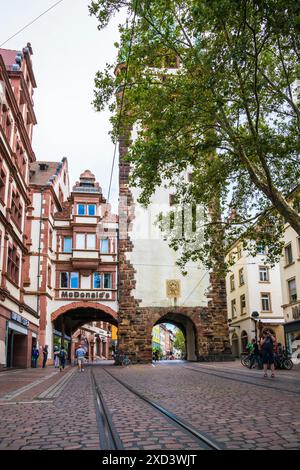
x,y
157,350
179,342
229,113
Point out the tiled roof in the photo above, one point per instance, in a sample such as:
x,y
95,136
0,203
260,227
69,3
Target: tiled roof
x,y
41,172
9,57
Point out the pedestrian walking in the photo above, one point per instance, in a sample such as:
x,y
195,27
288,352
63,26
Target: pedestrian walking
x,y
80,354
45,355
267,345
35,356
62,358
56,357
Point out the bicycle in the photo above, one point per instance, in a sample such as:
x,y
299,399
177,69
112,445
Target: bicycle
x,y
246,360
123,359
251,361
283,361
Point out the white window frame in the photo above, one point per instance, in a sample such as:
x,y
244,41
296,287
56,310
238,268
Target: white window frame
x,y
90,236
264,272
265,296
82,235
290,290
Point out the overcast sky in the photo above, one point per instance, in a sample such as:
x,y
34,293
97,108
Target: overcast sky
x,y
68,49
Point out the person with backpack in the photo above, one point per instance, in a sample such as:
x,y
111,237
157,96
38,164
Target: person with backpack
x,y
80,354
267,345
62,358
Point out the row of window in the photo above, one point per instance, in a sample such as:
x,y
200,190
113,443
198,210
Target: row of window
x,y
71,280
264,276
86,209
260,250
16,205
85,241
265,299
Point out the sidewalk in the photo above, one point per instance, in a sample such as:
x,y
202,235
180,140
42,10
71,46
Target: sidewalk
x,y
28,384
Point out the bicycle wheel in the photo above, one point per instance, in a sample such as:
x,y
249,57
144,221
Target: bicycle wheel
x,y
126,362
245,361
288,364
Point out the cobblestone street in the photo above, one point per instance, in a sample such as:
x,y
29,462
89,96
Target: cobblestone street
x,y
235,407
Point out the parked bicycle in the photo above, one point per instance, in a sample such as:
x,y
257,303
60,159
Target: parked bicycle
x,y
283,361
124,358
252,361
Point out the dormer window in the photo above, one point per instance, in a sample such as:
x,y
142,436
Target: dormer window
x,y
43,166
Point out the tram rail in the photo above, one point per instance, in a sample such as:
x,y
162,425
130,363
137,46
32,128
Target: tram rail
x,y
251,380
112,437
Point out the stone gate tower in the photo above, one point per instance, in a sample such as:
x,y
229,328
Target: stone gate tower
x,y
151,287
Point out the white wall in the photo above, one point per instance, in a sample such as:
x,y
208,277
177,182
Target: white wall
x,y
154,261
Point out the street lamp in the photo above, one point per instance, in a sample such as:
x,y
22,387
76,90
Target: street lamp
x,y
255,316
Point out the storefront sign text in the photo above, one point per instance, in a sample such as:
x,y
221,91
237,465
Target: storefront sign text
x,y
19,319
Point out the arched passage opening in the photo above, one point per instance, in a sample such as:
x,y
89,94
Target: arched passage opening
x,y
85,323
188,329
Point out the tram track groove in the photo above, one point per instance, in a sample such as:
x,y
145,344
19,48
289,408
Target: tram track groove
x,y
249,382
205,440
108,435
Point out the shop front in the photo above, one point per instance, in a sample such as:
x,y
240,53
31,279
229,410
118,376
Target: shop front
x,y
292,339
19,342
57,342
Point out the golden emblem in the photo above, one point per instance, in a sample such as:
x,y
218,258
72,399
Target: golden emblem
x,y
173,288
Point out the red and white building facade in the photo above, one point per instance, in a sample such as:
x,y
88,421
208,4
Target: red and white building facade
x,y
58,248
18,321
73,262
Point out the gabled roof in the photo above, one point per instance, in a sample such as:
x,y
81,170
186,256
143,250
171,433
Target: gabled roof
x,y
9,57
42,171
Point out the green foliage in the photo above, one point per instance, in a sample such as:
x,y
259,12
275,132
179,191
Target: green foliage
x,y
179,342
229,114
158,350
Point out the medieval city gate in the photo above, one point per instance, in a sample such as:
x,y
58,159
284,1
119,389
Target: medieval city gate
x,y
140,308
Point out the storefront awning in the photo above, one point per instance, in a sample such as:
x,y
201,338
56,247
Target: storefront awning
x,y
19,328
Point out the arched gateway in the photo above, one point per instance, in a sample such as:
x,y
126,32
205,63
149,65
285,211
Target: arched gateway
x,y
68,320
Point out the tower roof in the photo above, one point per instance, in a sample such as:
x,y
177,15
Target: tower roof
x,y
87,184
